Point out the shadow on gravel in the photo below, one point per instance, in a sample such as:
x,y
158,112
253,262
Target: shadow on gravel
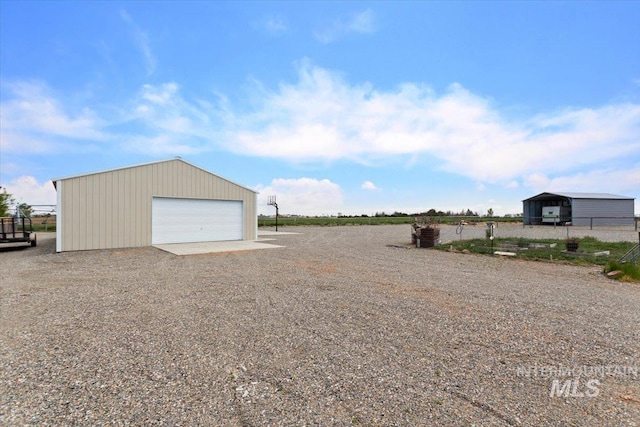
x,y
14,248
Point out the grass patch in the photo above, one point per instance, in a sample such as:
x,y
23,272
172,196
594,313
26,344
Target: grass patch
x,y
546,249
44,227
630,272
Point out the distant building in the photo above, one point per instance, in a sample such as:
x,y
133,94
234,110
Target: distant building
x,y
579,209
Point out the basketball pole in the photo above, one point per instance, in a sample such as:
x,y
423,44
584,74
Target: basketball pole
x,y
272,202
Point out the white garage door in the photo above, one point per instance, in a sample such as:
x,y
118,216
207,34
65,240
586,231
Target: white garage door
x,y
195,220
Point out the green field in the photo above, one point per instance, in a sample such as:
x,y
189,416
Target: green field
x,y
373,220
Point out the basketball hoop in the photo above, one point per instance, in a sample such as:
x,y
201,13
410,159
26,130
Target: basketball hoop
x,y
272,202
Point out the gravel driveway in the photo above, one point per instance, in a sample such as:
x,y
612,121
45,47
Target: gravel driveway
x,y
336,328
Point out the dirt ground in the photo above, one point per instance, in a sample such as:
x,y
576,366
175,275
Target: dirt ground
x,y
338,327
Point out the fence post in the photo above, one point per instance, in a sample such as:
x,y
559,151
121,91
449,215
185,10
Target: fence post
x,y
591,223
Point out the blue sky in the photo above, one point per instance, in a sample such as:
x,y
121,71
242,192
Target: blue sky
x,y
349,107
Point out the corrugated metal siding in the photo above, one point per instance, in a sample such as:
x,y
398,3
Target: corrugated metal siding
x,y
603,212
112,209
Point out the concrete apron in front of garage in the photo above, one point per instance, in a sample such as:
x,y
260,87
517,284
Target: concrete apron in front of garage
x,y
212,247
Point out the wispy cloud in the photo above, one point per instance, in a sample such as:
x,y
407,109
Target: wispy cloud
x,y
169,124
368,185
596,179
465,131
141,40
362,22
275,25
458,131
34,120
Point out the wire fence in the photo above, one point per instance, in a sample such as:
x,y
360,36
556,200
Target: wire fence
x,y
48,222
585,221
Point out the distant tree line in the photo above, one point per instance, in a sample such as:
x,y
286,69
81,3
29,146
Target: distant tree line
x,y
430,212
397,214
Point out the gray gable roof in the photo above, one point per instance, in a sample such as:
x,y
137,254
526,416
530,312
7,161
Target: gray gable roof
x,y
575,195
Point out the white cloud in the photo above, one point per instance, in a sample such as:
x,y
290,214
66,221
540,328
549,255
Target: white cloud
x,y
465,131
368,185
141,39
467,134
275,25
301,196
362,22
537,181
625,181
173,125
26,189
33,120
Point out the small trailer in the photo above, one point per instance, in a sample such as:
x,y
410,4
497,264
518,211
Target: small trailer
x,y
16,230
555,214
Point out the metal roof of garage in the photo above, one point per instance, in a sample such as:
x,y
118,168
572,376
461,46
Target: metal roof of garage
x,y
177,158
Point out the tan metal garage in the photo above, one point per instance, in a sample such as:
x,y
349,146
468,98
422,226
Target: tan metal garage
x,y
170,201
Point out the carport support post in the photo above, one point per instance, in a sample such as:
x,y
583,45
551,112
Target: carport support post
x,y
491,226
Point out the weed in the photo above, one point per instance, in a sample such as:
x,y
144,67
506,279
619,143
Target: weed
x,y
630,272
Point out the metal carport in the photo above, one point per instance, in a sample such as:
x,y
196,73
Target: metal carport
x,y
585,208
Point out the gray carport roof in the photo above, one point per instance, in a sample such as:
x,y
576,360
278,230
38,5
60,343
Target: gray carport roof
x,y
574,195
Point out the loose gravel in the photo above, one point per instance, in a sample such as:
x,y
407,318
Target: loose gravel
x,y
340,327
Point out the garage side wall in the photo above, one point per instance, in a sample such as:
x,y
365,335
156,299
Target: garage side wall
x,y
603,212
113,209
